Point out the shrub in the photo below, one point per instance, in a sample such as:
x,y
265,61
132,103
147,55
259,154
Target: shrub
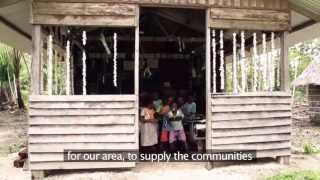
x,y
297,175
309,148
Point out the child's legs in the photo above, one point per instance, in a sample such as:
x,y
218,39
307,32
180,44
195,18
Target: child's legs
x,y
182,138
164,137
164,140
181,135
173,137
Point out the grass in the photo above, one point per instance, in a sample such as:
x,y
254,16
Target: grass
x,y
297,175
309,148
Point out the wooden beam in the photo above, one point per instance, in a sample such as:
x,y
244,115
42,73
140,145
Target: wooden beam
x,y
249,25
84,9
79,98
72,20
14,27
208,83
200,4
99,14
284,63
303,26
79,165
249,14
136,72
36,60
154,39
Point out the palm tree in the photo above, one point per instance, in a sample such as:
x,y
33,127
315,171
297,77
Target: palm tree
x,y
17,66
10,68
6,75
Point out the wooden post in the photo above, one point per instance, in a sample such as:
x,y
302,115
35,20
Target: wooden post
x,y
41,68
307,94
284,79
36,60
208,88
214,57
136,71
284,63
234,65
37,175
72,75
284,160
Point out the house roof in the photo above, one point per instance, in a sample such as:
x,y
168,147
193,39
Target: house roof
x,y
308,8
15,28
310,75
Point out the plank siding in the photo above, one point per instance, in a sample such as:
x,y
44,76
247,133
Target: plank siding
x,y
100,14
229,14
80,165
249,19
57,123
252,4
260,122
314,103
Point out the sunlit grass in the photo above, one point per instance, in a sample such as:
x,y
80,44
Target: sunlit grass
x,y
297,175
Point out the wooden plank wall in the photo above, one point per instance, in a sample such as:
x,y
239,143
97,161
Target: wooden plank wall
x,y
314,103
80,122
252,4
256,4
252,122
228,14
270,15
98,14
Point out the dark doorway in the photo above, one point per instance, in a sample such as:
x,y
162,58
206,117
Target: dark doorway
x,y
172,57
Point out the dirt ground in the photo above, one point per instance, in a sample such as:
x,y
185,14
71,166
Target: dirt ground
x,y
13,134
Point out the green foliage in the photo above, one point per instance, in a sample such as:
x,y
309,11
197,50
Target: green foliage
x,y
7,69
309,148
15,147
25,77
303,54
299,95
297,175
6,66
229,86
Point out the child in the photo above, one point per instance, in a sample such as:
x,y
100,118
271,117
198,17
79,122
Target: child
x,y
189,109
165,125
149,128
177,131
157,102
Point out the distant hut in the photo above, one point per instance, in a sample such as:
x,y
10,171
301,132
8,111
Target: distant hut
x,y
310,78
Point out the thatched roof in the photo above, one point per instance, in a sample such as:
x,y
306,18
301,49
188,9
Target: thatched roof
x,y
311,75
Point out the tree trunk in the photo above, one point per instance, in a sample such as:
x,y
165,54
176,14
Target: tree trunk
x,y
17,58
12,94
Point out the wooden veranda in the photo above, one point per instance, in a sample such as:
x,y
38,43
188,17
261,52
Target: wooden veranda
x,y
256,119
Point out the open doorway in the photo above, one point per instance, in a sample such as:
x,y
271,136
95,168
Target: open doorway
x,y
172,67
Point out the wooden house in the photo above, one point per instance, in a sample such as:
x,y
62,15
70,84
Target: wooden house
x,y
310,79
246,115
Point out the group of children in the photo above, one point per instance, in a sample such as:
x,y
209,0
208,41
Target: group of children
x,y
161,124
